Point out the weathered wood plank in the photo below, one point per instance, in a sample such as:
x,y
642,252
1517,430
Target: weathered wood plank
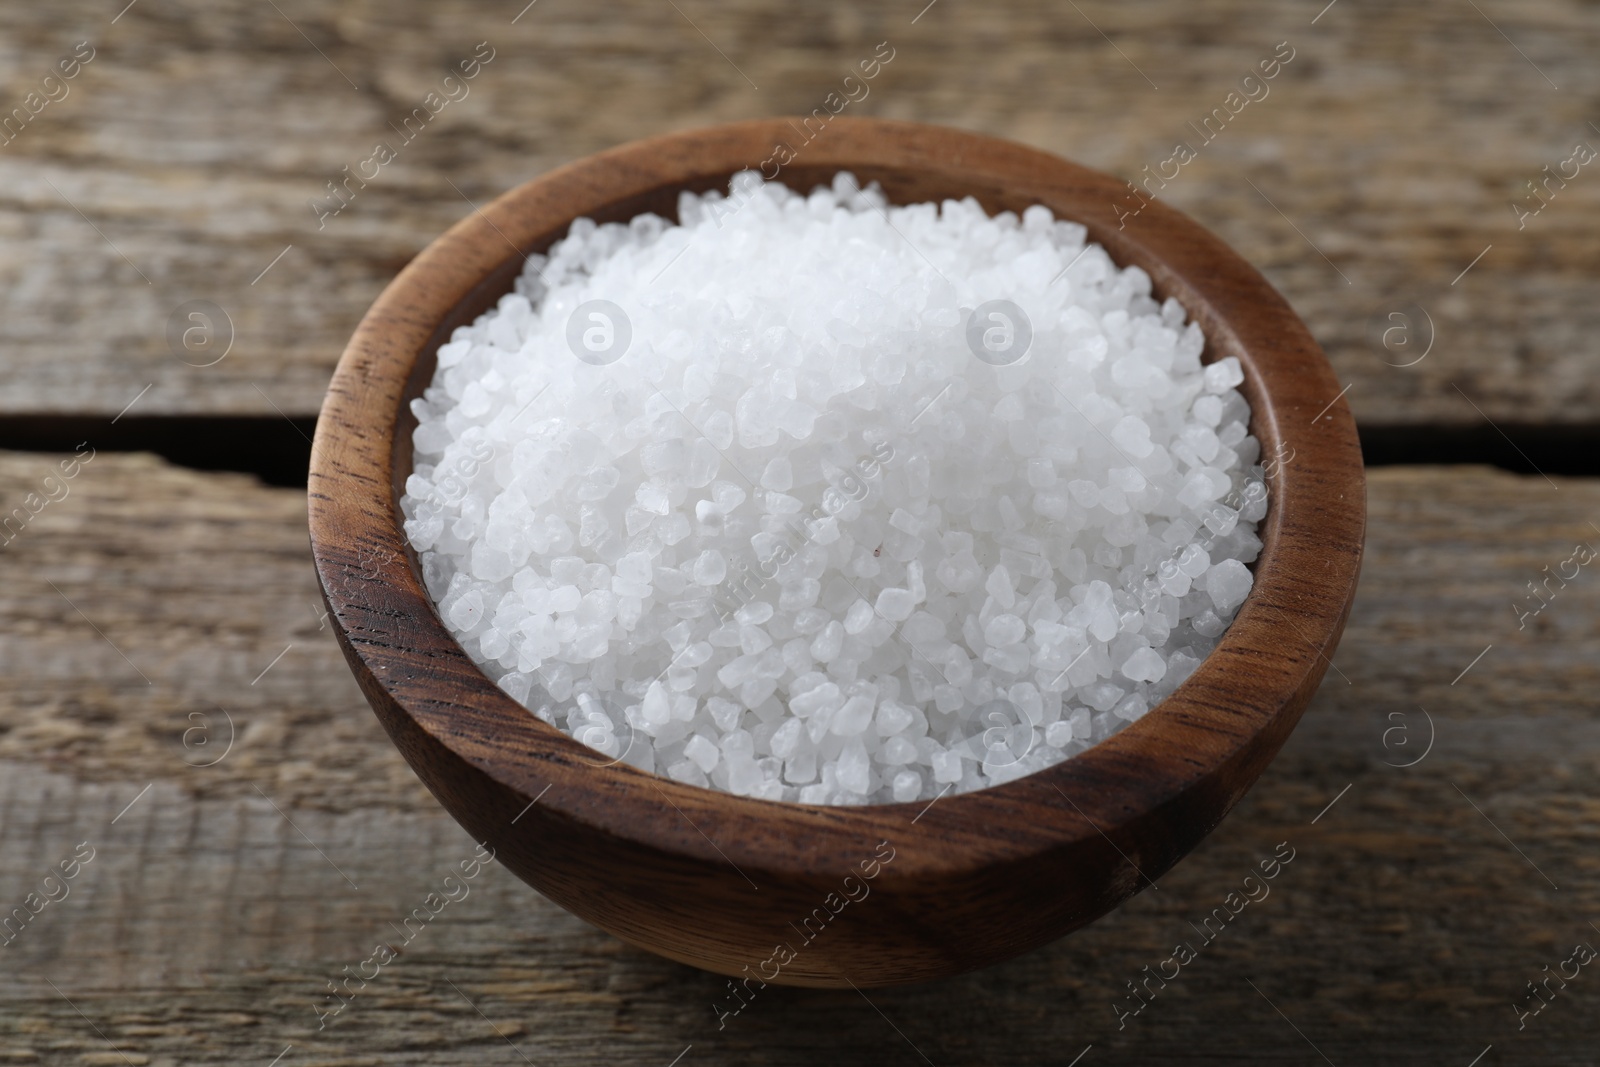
x,y
177,594
1395,142
207,925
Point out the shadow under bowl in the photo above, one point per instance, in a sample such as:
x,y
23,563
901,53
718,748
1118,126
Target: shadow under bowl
x,y
797,894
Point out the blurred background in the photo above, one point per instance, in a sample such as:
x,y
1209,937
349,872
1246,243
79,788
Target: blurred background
x,y
1421,181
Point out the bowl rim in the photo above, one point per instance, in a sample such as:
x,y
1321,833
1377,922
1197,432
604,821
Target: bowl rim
x,y
1208,740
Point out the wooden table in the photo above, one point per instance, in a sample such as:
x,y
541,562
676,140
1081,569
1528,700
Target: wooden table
x,y
172,703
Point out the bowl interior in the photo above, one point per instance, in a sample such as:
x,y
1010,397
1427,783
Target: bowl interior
x,y
901,185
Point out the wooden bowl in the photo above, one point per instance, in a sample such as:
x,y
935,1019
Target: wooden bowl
x,y
795,894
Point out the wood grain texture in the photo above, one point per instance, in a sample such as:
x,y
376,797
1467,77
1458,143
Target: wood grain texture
x,y
1395,143
206,927
210,581
725,882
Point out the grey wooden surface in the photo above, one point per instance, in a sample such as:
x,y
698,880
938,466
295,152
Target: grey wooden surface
x,y
171,698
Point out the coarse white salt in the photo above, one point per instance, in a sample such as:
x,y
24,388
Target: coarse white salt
x,y
816,499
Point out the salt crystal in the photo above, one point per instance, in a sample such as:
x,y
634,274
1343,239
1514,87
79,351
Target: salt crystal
x,y
999,586
744,777
853,768
1133,706
778,475
1223,375
738,744
1058,734
898,750
786,738
853,717
1005,630
896,604
893,719
1132,435
657,709
829,643
635,567
1228,582
709,568
858,617
824,697
1145,665
704,753
946,766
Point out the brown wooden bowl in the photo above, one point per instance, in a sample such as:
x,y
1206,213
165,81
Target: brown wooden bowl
x,y
796,894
